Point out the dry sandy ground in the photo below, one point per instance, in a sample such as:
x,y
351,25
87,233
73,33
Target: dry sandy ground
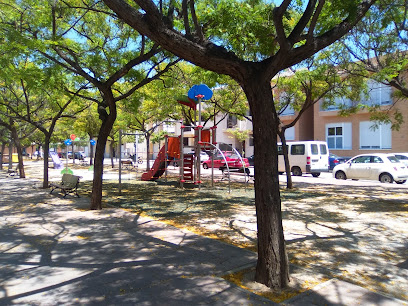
x,y
355,233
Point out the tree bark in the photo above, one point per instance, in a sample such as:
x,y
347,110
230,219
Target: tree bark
x,y
3,147
16,140
272,267
111,150
46,149
289,182
104,131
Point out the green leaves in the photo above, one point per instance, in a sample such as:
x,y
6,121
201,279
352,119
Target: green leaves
x,y
245,26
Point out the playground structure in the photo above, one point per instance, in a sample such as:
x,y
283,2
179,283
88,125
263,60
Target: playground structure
x,y
189,164
173,151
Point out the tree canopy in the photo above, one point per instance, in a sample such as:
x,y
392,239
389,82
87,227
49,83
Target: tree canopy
x,y
376,49
259,40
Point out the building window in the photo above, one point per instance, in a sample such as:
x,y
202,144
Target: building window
x,y
251,140
284,106
338,135
287,111
338,103
290,133
378,94
232,122
375,137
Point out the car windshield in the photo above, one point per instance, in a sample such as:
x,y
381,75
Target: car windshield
x,y
402,157
393,159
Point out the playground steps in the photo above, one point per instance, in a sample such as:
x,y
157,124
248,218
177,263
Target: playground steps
x,y
188,169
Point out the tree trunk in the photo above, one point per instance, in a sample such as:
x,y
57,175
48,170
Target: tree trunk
x,y
147,135
289,183
16,141
111,149
272,267
46,149
3,147
10,164
104,131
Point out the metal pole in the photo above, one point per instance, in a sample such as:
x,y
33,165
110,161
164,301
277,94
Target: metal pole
x,y
120,161
198,149
181,166
66,156
166,156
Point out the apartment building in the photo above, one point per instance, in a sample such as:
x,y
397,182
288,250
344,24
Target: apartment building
x,y
353,134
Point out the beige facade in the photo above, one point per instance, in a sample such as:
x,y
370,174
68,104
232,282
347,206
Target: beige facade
x,y
354,134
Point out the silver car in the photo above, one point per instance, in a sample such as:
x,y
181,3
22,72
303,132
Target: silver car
x,y
376,166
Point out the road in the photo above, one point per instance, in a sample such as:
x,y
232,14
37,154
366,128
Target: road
x,y
324,178
327,178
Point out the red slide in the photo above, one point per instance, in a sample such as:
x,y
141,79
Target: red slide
x,y
160,164
158,168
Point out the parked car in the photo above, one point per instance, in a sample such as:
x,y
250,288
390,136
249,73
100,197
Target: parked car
x,y
377,166
203,156
335,160
403,157
78,155
233,160
251,160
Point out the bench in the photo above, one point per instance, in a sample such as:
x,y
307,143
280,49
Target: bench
x,y
69,184
127,164
13,172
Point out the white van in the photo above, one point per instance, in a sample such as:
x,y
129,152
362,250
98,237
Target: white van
x,y
305,157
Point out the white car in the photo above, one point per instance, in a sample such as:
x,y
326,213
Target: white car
x,y
203,156
403,157
376,166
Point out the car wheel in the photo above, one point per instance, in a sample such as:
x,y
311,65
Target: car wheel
x,y
296,171
340,175
386,178
401,182
205,166
316,174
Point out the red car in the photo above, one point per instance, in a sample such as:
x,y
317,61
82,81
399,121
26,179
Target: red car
x,y
233,160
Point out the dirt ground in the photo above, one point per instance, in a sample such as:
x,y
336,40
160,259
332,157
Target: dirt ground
x,y
357,234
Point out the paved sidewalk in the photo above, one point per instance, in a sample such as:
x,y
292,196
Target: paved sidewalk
x,y
54,251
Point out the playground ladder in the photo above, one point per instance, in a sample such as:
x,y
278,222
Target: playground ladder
x,y
188,168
